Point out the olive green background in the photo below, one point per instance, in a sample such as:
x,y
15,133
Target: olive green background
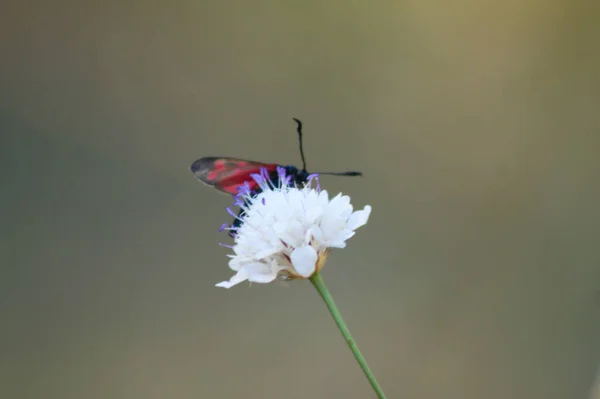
x,y
476,125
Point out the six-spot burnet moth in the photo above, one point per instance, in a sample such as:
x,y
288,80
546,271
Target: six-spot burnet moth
x,y
228,174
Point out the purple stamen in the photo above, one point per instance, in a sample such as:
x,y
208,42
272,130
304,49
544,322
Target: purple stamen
x,y
232,213
281,174
238,201
243,190
223,227
264,173
263,201
315,177
257,178
226,245
267,179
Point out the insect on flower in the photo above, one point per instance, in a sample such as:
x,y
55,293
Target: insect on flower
x,y
228,175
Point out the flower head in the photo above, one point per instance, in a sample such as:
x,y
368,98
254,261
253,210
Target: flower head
x,y
287,231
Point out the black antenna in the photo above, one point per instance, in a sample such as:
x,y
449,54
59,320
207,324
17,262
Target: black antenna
x,y
349,173
299,130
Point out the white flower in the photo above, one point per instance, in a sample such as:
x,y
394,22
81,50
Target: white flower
x,y
287,232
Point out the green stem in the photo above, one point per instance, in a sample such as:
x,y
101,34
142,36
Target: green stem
x,y
319,284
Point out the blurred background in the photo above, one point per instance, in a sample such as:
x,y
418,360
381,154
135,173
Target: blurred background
x,y
475,124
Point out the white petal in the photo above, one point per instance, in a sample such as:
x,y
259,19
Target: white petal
x,y
340,240
331,224
290,231
304,260
340,202
324,197
359,218
261,272
236,279
314,233
314,206
337,244
266,252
